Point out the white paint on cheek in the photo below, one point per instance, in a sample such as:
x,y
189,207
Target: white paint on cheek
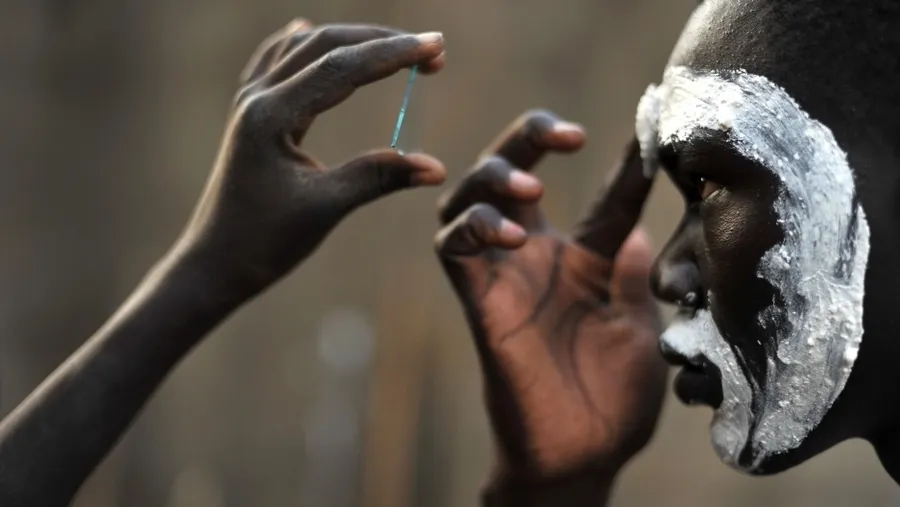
x,y
731,421
818,269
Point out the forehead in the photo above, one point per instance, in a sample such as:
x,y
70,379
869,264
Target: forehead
x,y
836,58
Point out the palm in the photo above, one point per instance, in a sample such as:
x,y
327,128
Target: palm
x,y
567,337
573,361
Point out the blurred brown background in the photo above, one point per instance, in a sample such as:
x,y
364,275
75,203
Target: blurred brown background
x,y
353,382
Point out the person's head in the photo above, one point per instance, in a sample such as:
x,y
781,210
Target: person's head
x,y
779,121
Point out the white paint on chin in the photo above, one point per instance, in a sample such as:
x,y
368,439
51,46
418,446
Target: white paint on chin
x,y
818,269
731,421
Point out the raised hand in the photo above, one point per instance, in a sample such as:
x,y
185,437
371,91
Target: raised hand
x,y
565,326
268,204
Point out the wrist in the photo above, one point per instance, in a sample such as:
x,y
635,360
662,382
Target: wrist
x,y
201,285
585,488
210,274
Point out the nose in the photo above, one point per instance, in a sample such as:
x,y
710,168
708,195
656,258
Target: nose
x,y
676,276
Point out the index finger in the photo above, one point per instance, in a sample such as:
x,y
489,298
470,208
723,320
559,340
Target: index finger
x,y
525,141
619,207
335,76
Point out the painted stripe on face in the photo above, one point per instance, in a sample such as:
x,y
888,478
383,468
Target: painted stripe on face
x,y
819,268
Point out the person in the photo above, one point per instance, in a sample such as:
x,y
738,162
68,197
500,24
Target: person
x,y
267,206
778,123
566,327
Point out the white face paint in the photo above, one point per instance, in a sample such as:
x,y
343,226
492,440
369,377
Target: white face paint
x,y
818,269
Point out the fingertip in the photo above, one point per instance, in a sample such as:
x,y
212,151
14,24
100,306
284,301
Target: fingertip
x,y
636,254
511,234
431,43
567,127
570,135
434,65
525,185
298,24
429,171
430,37
639,239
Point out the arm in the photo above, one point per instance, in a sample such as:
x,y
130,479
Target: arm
x,y
54,439
267,206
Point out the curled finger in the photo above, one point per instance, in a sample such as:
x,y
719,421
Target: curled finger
x,y
268,52
480,228
525,141
495,181
335,76
304,49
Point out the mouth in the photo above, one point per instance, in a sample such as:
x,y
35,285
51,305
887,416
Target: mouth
x,y
699,382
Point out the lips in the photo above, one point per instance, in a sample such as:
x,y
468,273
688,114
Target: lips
x,y
698,382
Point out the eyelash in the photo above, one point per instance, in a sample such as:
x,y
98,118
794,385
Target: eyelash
x,y
699,184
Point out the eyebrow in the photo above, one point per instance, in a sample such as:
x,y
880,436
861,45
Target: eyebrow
x,y
708,151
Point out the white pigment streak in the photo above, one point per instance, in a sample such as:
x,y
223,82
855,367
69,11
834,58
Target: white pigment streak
x,y
731,421
646,125
818,269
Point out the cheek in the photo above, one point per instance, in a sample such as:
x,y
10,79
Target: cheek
x,y
737,231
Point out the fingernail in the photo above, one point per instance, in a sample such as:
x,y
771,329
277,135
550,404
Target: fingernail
x,y
510,228
639,235
567,127
298,23
430,170
430,37
523,182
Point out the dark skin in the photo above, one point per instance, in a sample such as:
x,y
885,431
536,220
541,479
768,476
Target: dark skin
x,y
521,306
267,206
565,325
729,220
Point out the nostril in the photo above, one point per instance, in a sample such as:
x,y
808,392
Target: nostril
x,y
689,300
677,283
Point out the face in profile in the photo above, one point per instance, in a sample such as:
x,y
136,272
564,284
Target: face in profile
x,y
772,264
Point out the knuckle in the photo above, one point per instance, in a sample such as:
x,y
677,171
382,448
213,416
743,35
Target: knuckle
x,y
480,214
539,116
536,123
335,63
443,202
326,35
491,165
440,243
491,171
253,116
253,107
244,95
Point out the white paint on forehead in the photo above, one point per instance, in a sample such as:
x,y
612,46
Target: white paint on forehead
x,y
818,269
646,129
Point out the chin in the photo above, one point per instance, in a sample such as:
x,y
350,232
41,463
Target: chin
x,y
775,464
750,453
759,427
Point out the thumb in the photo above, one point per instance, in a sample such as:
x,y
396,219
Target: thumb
x,y
630,282
378,173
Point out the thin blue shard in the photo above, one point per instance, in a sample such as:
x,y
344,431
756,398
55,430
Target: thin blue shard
x,y
402,115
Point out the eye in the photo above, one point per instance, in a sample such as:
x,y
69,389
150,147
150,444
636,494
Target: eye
x,y
705,187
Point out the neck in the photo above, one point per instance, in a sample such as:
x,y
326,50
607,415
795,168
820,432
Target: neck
x,y
888,449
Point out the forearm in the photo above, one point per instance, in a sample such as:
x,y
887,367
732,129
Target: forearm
x,y
576,490
55,438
